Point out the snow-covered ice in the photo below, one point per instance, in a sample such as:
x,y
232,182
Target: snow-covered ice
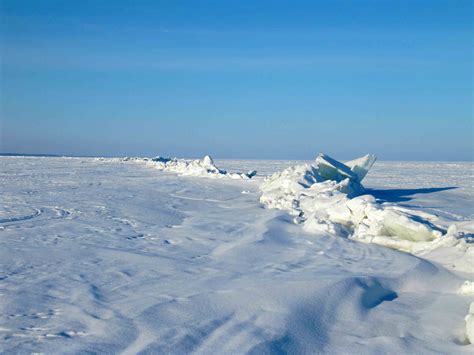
x,y
204,167
470,324
327,196
467,288
115,256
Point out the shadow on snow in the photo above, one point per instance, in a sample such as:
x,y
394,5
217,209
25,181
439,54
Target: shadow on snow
x,y
403,195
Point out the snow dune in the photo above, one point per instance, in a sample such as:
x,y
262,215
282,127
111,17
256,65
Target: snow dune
x,y
111,256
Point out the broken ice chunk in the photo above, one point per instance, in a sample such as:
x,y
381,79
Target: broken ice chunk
x,y
251,173
159,159
208,161
361,166
331,169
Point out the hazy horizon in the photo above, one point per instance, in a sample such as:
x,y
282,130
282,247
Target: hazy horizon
x,y
49,155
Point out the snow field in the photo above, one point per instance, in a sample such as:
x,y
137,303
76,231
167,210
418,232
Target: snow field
x,y
110,256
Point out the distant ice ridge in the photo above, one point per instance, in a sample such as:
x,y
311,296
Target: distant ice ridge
x,y
327,196
197,167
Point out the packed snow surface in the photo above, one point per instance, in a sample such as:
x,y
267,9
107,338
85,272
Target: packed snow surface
x,y
114,256
470,324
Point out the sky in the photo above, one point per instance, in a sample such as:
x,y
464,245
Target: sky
x,y
238,79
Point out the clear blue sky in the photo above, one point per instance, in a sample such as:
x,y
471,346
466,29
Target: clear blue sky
x,y
238,79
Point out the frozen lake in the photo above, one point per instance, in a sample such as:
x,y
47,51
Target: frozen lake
x,y
117,257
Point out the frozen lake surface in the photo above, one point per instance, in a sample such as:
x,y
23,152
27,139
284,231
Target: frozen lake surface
x,y
109,256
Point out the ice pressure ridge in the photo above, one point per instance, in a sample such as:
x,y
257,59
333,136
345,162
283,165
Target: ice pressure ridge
x,y
327,196
197,167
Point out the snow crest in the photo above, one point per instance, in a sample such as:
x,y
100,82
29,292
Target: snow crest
x,y
467,288
327,196
187,167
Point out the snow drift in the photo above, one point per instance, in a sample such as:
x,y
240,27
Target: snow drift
x,y
470,324
187,167
327,196
112,256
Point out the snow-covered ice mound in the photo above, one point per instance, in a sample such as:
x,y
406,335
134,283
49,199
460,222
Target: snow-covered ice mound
x,y
327,181
327,196
197,167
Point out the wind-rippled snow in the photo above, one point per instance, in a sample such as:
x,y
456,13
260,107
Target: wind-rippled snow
x,y
118,257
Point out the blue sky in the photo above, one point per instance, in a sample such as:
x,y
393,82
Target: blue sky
x,y
238,79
